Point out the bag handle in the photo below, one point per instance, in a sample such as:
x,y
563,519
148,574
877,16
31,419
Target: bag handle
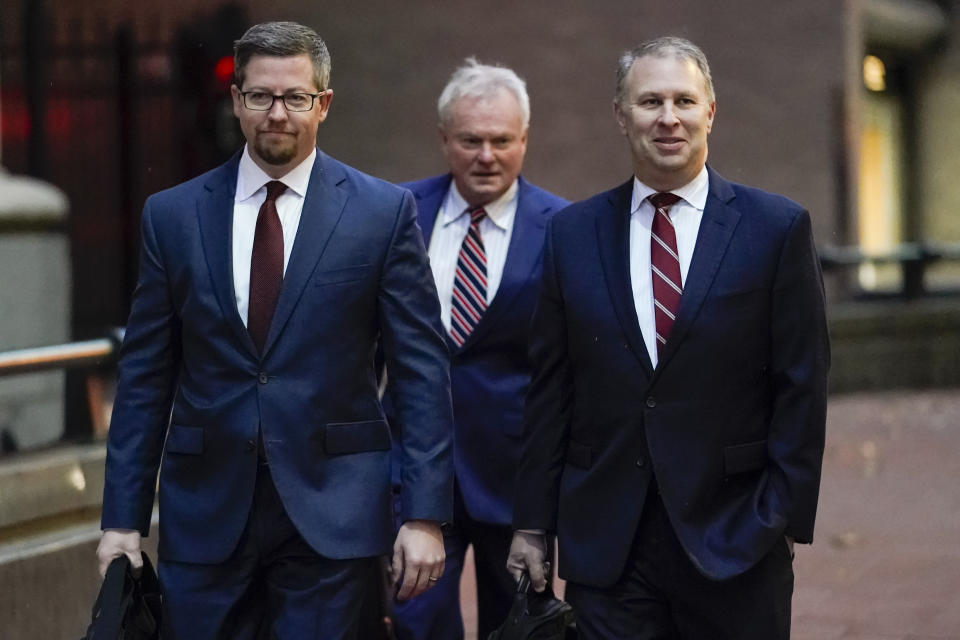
x,y
523,585
107,615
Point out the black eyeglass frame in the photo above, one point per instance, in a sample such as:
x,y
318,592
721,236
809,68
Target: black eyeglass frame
x,y
283,98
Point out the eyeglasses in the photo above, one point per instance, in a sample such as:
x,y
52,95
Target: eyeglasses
x,y
262,101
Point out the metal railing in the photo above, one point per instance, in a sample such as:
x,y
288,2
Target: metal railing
x,y
61,356
913,257
87,392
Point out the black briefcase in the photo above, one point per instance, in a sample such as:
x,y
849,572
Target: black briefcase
x,y
536,616
127,607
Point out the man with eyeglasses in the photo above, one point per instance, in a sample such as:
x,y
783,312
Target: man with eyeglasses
x,y
246,376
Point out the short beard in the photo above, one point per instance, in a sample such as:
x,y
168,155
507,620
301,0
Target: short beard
x,y
275,155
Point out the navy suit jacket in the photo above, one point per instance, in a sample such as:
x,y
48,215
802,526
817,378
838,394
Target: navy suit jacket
x,y
731,421
490,373
193,386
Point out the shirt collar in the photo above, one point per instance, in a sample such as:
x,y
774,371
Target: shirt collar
x,y
693,193
500,211
251,178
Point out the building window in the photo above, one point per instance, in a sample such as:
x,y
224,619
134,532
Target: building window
x,y
881,178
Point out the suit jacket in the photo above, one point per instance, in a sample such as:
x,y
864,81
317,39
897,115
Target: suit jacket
x,y
490,373
730,423
193,386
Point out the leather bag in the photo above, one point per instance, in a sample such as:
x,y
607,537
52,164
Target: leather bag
x,y
127,607
536,616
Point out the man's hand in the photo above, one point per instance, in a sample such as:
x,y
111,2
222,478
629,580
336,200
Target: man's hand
x,y
790,543
117,542
528,552
418,557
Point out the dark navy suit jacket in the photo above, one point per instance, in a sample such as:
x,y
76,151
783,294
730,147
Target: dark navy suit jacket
x,y
490,373
730,423
193,386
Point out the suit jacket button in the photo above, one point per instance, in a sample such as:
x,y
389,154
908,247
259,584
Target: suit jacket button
x,y
651,402
640,462
249,445
262,378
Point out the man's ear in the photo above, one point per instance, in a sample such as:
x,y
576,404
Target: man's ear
x,y
235,93
620,116
325,101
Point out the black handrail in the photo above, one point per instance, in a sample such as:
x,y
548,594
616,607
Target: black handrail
x,y
913,258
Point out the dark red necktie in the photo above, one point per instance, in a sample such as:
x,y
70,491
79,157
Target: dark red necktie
x,y
665,267
266,266
470,282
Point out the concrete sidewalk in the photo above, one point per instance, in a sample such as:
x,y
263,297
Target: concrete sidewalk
x,y
885,564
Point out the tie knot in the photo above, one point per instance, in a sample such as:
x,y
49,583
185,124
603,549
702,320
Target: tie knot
x,y
476,215
274,189
664,200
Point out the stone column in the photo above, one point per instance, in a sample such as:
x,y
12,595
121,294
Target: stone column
x,y
34,305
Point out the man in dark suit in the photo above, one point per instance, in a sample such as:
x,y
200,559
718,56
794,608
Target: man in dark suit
x,y
265,286
675,420
481,217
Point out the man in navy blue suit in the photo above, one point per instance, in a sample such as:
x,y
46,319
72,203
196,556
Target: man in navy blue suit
x,y
484,225
247,376
675,420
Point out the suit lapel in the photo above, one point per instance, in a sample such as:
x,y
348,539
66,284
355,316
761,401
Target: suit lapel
x,y
613,235
321,212
428,206
526,241
719,221
215,217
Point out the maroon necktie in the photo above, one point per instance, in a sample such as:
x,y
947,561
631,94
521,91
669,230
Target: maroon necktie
x,y
266,266
665,267
470,282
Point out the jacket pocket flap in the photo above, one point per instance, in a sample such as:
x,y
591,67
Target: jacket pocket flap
x,y
345,274
354,437
182,439
741,458
579,455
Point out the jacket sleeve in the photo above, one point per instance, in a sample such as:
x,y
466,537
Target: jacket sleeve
x,y
149,359
418,370
547,407
800,359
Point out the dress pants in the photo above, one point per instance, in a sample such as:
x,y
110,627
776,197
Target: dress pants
x,y
662,596
435,614
273,586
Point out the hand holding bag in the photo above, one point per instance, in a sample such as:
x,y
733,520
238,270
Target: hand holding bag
x,y
127,607
536,616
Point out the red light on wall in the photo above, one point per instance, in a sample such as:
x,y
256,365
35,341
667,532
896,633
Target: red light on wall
x,y
15,123
223,70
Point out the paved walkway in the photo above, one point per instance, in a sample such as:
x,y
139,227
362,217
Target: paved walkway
x,y
885,564
886,560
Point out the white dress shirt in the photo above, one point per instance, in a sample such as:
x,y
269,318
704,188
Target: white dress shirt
x,y
686,215
451,227
251,192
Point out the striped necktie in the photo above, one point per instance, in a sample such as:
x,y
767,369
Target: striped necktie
x,y
469,282
665,267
